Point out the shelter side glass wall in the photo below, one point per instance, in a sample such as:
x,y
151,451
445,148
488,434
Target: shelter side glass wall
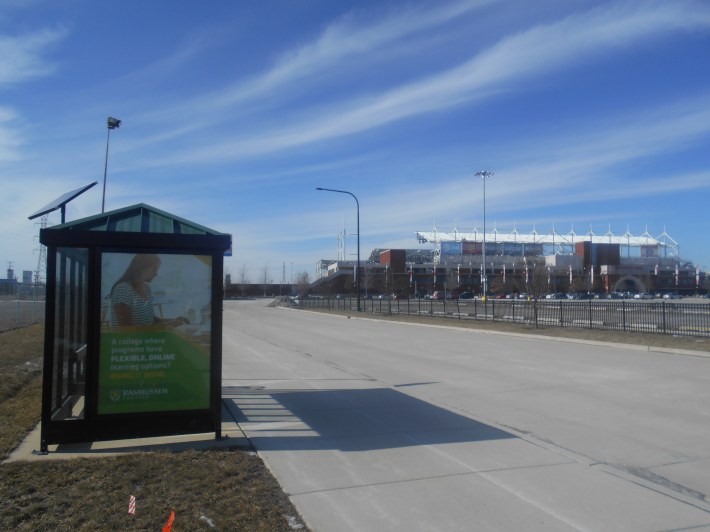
x,y
70,334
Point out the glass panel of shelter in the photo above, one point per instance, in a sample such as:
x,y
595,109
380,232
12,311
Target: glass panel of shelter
x,y
70,334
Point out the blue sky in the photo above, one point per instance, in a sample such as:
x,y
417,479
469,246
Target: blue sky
x,y
591,114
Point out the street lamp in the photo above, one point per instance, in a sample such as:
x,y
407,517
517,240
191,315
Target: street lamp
x,y
483,174
111,123
357,270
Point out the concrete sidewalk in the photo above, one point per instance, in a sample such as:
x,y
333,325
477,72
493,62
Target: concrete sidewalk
x,y
353,455
232,437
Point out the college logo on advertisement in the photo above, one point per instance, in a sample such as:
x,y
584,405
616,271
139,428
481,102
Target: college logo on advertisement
x,y
115,395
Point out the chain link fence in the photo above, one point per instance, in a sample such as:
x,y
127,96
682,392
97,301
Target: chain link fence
x,y
16,312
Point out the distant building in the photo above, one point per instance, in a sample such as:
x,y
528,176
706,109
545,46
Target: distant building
x,y
589,263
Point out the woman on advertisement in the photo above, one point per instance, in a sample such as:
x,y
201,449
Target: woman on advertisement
x,y
132,298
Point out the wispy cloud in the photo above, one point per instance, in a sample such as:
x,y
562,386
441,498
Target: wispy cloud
x,y
10,138
531,53
340,42
23,59
24,56
571,169
594,154
295,71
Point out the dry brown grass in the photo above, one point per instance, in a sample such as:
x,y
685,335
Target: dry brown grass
x,y
20,358
228,489
19,415
231,490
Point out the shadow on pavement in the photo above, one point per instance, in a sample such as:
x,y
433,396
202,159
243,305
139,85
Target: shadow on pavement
x,y
347,420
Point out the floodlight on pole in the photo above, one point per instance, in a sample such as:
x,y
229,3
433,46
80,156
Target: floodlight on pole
x,y
357,269
111,123
483,174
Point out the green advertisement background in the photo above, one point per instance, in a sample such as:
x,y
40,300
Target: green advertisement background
x,y
135,377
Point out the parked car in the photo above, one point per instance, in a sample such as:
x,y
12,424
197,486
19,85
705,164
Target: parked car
x,y
440,294
466,295
671,296
643,295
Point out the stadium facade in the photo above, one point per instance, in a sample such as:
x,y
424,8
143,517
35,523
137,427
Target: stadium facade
x,y
453,261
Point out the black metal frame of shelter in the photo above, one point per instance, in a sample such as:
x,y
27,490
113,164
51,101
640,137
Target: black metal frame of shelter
x,y
74,317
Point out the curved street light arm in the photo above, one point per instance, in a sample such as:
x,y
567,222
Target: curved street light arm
x,y
357,270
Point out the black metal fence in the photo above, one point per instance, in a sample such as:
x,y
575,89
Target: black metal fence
x,y
662,317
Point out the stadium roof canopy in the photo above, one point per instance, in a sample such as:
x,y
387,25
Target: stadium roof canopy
x,y
552,238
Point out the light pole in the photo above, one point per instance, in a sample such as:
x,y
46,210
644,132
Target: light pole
x,y
357,269
483,174
111,123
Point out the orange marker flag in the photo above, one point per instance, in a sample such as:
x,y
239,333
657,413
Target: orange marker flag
x,y
169,526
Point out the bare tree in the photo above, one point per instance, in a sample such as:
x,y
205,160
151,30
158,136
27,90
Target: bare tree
x,y
538,280
498,286
264,277
243,278
303,282
535,282
580,284
367,276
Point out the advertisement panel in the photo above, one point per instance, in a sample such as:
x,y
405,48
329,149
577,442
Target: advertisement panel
x,y
155,332
451,248
472,248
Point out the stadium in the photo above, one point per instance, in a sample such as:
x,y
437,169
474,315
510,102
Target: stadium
x,y
505,263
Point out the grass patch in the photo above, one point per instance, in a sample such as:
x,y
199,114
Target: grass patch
x,y
20,384
20,358
225,489
19,415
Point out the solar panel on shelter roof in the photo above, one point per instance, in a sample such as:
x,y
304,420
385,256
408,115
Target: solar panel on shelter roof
x,y
61,202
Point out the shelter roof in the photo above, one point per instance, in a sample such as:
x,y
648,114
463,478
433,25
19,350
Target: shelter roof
x,y
140,218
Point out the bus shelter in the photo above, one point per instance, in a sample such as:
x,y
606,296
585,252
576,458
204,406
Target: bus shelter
x,y
133,327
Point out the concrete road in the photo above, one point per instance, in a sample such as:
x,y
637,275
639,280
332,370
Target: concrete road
x,y
373,426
